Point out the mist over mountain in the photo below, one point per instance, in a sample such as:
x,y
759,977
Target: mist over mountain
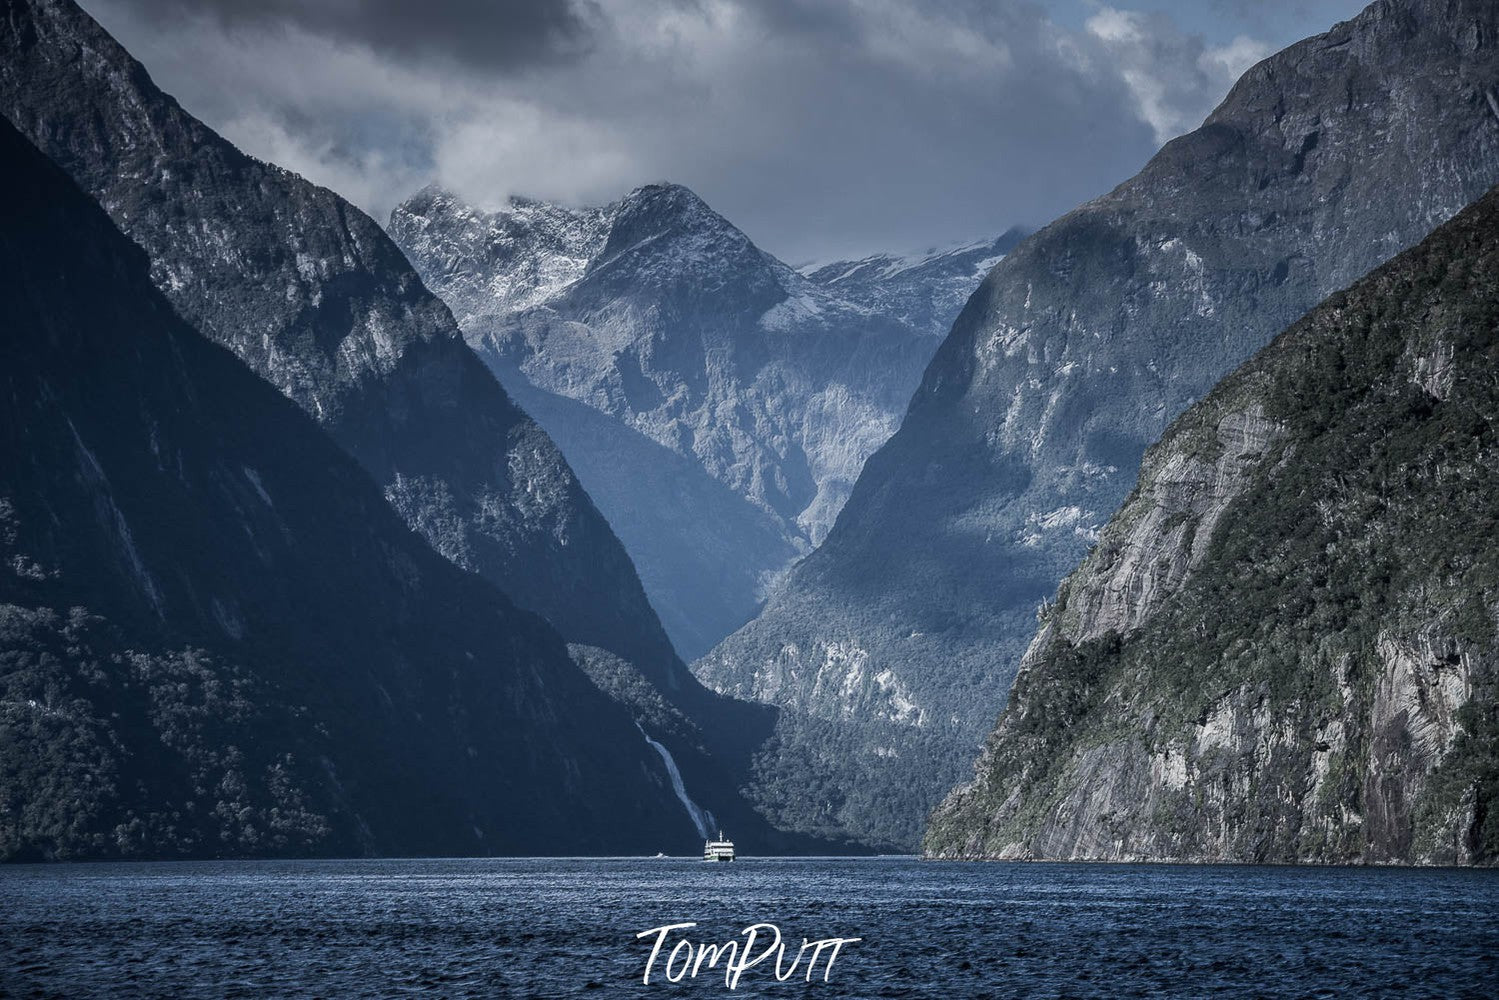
x,y
717,404
1284,646
902,632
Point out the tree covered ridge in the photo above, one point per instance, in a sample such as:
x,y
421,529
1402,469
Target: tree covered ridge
x,y
108,751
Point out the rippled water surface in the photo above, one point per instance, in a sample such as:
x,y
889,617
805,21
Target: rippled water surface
x,y
567,928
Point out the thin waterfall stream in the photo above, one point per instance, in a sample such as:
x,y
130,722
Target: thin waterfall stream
x,y
701,818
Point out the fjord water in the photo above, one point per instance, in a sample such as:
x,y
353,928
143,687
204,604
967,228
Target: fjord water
x,y
549,927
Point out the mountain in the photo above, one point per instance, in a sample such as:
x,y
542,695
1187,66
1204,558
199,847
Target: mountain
x,y
904,629
1285,646
218,639
716,403
312,295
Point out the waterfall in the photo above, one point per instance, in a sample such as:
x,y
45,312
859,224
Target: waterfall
x,y
701,818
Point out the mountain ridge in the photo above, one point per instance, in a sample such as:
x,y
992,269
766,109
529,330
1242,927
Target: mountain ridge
x,y
1283,648
218,639
310,293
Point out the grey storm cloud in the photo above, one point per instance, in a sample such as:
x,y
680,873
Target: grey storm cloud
x,y
485,34
820,127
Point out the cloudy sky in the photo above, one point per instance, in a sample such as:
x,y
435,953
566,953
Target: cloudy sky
x,y
820,127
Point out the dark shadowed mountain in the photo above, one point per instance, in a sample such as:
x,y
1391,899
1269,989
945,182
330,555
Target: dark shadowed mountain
x,y
716,403
903,631
315,298
216,637
1285,646
312,295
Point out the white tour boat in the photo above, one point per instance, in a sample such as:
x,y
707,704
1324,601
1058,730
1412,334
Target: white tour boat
x,y
721,849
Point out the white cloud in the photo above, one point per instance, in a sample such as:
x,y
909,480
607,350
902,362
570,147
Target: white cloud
x,y
1228,62
1174,77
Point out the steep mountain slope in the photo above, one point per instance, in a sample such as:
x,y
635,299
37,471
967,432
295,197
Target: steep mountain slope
x,y
216,637
311,294
1286,645
716,403
1325,160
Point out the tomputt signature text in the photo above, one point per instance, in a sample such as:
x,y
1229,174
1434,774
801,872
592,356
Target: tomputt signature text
x,y
686,958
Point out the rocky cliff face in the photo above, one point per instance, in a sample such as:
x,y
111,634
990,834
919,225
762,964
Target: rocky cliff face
x,y
1285,646
716,403
313,296
1076,352
216,637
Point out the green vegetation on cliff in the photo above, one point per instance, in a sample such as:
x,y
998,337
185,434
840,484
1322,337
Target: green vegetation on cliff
x,y
1284,646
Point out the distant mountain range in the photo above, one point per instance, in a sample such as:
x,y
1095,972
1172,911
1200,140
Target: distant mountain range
x,y
716,403
902,632
1285,646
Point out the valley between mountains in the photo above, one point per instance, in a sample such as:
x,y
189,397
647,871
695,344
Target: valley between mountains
x,y
543,528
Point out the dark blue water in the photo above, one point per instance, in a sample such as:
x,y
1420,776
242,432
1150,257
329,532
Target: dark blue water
x,y
556,928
